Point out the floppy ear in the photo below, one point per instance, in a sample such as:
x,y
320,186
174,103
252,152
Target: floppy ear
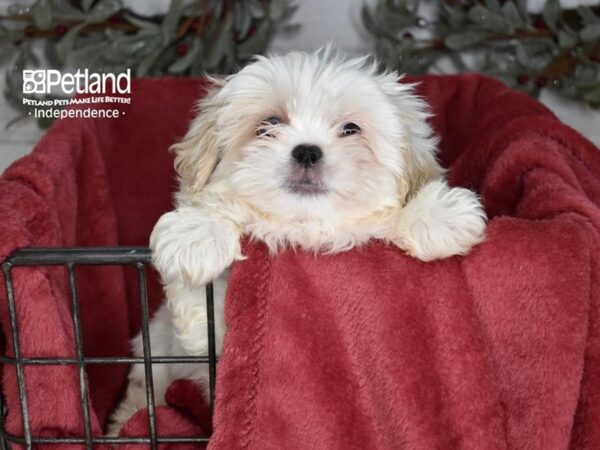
x,y
197,155
419,144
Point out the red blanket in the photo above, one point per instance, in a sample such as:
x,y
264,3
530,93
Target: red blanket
x,y
87,183
370,349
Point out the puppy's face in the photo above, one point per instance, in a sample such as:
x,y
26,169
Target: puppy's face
x,y
303,137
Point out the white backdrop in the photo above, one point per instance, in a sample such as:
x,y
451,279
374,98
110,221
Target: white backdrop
x,y
322,21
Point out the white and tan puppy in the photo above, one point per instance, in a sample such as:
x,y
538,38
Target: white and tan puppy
x,y
301,150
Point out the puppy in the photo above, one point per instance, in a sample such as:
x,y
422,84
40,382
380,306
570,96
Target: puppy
x,y
306,151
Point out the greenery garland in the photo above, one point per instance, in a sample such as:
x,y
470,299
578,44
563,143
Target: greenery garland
x,y
191,38
557,49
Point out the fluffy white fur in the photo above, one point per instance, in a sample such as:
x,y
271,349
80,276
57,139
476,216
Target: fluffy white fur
x,y
383,182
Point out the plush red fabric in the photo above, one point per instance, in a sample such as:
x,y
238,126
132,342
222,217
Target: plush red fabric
x,y
87,183
369,349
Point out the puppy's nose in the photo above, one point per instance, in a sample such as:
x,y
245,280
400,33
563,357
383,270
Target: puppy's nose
x,y
307,154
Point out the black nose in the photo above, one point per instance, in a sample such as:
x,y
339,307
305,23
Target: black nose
x,y
307,154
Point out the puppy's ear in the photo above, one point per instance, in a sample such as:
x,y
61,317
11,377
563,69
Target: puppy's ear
x,y
197,155
418,142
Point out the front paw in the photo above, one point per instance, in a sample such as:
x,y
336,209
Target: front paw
x,y
439,222
192,246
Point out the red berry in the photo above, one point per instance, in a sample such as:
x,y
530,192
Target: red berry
x,y
29,30
252,30
541,81
114,19
540,23
407,35
181,49
522,79
61,29
595,58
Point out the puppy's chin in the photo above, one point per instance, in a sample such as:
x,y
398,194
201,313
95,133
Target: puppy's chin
x,y
307,189
306,181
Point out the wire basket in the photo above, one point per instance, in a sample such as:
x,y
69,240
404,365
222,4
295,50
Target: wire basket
x,y
70,258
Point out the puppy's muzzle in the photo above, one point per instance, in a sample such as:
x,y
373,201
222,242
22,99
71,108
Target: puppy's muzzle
x,y
305,176
307,155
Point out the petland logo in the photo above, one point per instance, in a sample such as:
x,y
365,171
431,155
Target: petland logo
x,y
50,94
86,82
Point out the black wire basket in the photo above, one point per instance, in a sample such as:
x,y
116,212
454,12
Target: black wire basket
x,y
70,258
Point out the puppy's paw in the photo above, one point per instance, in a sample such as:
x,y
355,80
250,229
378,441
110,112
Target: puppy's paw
x,y
192,246
439,222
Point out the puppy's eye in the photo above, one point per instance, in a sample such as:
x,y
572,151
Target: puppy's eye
x,y
349,128
269,121
272,120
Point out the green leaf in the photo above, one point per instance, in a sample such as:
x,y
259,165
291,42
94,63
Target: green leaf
x,y
586,74
169,24
146,64
493,5
289,29
42,14
103,10
393,21
521,54
13,91
185,62
15,101
198,65
512,16
17,119
89,56
243,20
289,12
590,33
45,122
256,8
4,35
86,4
65,45
420,63
487,19
566,39
113,35
458,62
18,9
7,53
21,61
411,6
127,46
66,11
459,41
221,41
257,42
277,9
501,62
369,22
569,90
456,17
217,7
142,24
551,14
593,95
51,55
587,15
534,55
522,7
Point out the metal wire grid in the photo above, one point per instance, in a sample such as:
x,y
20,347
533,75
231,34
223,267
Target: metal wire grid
x,y
69,258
